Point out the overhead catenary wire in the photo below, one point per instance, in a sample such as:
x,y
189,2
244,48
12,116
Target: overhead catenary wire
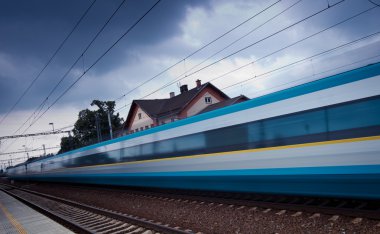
x,y
295,43
72,66
250,45
27,151
199,49
49,61
184,74
316,74
96,61
374,3
40,107
304,59
238,51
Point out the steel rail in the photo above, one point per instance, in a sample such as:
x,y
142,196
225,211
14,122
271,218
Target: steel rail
x,y
161,228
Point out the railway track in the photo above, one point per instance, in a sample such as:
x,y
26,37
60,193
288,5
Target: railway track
x,y
333,206
82,218
260,210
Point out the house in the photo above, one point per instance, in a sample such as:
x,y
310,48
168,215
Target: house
x,y
224,103
145,114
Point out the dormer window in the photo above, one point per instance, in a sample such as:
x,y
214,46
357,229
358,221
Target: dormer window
x,y
208,100
139,114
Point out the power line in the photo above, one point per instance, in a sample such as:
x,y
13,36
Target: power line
x,y
49,61
34,134
250,45
319,73
235,41
236,52
374,3
305,59
200,49
40,107
32,150
96,61
295,43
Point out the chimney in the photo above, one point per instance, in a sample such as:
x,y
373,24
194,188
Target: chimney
x,y
183,88
198,82
172,94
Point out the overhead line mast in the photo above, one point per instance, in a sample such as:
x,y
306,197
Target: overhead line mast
x,y
35,134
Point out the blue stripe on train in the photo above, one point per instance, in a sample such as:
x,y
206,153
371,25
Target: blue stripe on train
x,y
346,181
328,82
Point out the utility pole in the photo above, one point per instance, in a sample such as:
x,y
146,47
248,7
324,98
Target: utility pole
x,y
98,127
109,123
27,155
43,146
70,141
52,124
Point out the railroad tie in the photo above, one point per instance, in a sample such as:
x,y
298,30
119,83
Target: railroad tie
x,y
315,215
126,230
334,218
298,213
115,229
148,232
267,210
357,220
113,224
281,212
138,230
253,209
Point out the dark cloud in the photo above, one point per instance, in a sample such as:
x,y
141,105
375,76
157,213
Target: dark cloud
x,y
32,30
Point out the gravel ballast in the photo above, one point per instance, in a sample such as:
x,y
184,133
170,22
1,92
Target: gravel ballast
x,y
209,217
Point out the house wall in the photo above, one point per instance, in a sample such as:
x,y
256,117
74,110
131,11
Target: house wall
x,y
167,119
199,103
138,123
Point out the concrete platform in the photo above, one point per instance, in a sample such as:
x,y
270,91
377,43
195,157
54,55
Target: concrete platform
x,y
16,217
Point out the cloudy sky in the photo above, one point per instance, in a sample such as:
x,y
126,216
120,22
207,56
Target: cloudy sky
x,y
243,59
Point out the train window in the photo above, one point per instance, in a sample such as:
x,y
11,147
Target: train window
x,y
192,142
147,149
355,115
226,138
114,155
256,134
166,146
295,125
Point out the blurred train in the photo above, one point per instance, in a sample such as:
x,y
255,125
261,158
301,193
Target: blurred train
x,y
320,139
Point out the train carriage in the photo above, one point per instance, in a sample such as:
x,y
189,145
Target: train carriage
x,y
320,138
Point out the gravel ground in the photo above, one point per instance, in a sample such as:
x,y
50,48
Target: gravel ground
x,y
210,218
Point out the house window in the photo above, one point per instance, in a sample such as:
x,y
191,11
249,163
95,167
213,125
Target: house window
x,y
139,114
208,100
146,127
136,130
141,128
152,125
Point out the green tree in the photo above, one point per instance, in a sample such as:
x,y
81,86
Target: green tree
x,y
85,132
